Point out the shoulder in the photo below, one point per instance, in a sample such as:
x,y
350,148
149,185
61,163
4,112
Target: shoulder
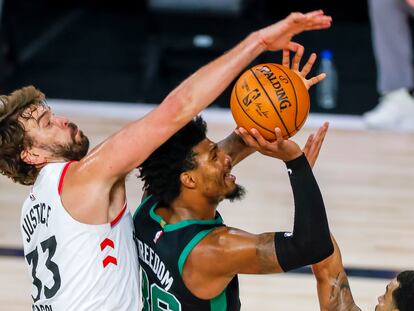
x,y
227,244
220,240
210,245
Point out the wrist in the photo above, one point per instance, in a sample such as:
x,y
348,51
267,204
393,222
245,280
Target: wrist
x,y
294,155
259,40
298,161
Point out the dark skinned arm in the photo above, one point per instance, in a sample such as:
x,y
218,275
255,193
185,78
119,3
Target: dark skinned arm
x,y
332,282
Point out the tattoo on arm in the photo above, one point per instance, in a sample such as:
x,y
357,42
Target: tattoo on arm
x,y
341,298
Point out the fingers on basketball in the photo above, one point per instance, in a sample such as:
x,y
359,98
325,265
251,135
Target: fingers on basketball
x,y
270,96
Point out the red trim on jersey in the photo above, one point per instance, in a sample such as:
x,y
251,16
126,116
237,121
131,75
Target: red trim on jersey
x,y
108,260
63,176
107,242
117,218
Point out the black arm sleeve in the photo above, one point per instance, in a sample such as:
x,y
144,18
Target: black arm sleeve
x,y
310,241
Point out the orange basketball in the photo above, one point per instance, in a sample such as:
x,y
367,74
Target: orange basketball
x,y
267,96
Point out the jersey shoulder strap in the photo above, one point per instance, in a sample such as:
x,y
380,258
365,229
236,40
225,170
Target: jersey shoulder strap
x,y
145,206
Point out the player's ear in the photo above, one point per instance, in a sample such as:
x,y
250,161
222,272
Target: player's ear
x,y
31,157
187,180
27,156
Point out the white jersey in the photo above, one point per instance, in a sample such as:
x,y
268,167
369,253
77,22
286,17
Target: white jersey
x,y
76,266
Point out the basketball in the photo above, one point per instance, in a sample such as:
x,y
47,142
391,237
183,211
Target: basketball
x,y
267,96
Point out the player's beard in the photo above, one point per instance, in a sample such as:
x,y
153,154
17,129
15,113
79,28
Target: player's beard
x,y
237,193
72,151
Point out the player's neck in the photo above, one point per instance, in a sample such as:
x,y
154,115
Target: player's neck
x,y
41,165
188,206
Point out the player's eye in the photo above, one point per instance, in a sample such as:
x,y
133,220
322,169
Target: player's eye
x,y
48,123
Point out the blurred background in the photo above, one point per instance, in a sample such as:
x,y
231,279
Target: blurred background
x,y
137,51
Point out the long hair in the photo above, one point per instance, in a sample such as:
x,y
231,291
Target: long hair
x,y
161,171
13,138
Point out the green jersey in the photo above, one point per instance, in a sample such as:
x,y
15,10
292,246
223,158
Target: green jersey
x,y
162,251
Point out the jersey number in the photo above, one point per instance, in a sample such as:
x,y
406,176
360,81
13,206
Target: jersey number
x,y
33,257
160,300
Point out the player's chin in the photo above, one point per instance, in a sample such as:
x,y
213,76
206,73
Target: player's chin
x,y
237,192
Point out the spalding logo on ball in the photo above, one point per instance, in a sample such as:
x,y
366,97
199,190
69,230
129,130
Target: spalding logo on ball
x,y
267,96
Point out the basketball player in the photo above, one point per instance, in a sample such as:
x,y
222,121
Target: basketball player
x,y
335,294
77,233
189,258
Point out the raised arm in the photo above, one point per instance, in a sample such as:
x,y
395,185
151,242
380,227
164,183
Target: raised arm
x,y
333,288
129,147
241,252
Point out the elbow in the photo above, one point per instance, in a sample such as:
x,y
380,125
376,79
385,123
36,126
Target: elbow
x,y
321,272
298,252
323,252
317,249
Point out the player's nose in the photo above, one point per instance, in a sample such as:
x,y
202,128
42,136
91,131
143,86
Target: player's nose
x,y
62,121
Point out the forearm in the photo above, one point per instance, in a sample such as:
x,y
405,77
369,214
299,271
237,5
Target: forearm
x,y
310,240
195,93
206,84
201,88
236,148
334,292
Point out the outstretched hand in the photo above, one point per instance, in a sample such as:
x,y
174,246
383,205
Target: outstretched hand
x,y
278,35
302,73
314,143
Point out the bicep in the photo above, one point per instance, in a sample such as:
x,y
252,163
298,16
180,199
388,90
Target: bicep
x,y
234,251
262,259
243,252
